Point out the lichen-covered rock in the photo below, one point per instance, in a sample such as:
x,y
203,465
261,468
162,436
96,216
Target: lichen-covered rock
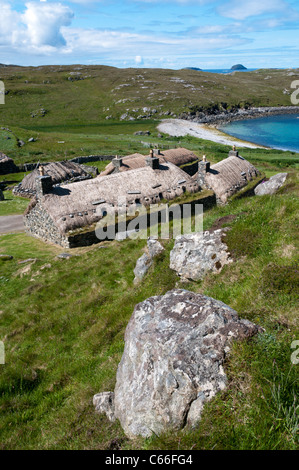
x,y
104,403
196,254
172,363
143,264
272,185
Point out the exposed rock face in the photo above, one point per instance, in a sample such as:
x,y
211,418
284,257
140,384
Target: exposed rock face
x,y
196,254
143,264
272,185
172,362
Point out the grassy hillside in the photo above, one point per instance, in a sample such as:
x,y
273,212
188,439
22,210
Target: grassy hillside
x,y
63,322
75,110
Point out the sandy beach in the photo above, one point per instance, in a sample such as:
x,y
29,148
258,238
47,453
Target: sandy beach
x,y
181,127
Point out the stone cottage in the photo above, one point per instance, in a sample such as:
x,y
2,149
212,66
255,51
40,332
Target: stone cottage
x,y
226,177
7,165
66,215
60,172
181,157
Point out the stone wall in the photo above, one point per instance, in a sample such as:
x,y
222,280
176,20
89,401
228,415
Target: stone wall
x,y
88,237
39,224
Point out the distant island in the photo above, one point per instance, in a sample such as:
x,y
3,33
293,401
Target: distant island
x,y
192,68
238,67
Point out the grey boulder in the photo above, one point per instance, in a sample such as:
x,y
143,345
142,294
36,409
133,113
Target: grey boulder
x,y
272,185
175,346
196,254
153,249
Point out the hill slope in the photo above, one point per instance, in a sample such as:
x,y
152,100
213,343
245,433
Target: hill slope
x,y
63,322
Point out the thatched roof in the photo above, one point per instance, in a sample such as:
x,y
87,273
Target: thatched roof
x,y
7,165
178,157
79,205
230,175
59,171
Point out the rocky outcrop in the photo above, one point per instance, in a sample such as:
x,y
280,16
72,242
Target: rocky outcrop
x,y
143,264
196,254
221,117
175,346
272,185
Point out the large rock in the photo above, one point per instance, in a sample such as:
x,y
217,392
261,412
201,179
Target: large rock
x,y
154,248
272,185
196,254
172,363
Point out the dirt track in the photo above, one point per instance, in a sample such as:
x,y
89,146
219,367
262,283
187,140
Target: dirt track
x,y
11,223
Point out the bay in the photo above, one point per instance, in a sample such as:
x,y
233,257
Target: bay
x,y
279,131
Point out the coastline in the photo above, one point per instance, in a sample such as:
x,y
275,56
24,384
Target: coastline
x,y
226,117
206,126
182,127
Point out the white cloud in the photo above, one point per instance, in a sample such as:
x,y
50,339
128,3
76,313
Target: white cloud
x,y
44,22
241,10
39,27
9,20
139,60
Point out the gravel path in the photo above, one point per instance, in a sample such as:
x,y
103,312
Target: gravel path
x,y
11,223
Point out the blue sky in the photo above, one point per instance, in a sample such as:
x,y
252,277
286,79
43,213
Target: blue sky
x,y
208,34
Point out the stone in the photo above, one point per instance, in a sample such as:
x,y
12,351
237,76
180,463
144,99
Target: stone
x,y
175,346
142,266
64,256
195,255
104,403
142,133
6,257
29,260
153,249
272,185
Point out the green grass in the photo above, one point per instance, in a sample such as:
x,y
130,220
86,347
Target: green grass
x,y
13,205
63,326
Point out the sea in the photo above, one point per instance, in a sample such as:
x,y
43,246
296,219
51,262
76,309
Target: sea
x,y
278,131
227,70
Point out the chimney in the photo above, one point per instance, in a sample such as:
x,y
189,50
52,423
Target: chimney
x,y
153,161
44,185
233,152
117,162
203,169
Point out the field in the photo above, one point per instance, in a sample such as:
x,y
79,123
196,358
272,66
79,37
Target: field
x,y
63,320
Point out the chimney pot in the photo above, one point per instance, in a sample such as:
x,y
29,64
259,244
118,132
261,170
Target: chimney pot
x,y
117,162
44,185
233,152
153,161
